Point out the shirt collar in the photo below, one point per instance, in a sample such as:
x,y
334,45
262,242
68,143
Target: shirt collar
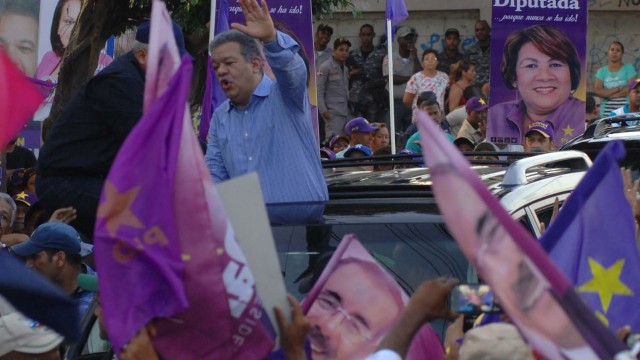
x,y
262,90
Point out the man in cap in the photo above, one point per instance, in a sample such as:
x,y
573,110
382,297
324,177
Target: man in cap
x,y
55,251
475,125
539,137
633,105
451,53
333,88
84,141
360,132
405,64
22,338
320,42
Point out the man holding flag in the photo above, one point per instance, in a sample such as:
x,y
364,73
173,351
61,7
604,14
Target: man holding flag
x,y
260,112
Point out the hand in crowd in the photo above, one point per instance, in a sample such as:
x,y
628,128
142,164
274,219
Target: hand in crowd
x,y
65,215
259,24
325,115
293,334
554,215
429,302
140,347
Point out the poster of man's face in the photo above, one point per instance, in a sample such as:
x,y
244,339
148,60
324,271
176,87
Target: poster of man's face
x,y
19,32
354,309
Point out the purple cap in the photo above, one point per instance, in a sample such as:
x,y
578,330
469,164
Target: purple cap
x,y
335,138
26,198
543,127
476,104
632,85
359,125
362,148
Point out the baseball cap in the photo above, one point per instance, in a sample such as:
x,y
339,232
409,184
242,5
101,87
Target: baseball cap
x,y
88,282
494,341
403,31
144,29
463,140
452,31
359,125
25,198
476,104
632,85
21,334
359,147
341,40
543,127
335,138
486,146
52,235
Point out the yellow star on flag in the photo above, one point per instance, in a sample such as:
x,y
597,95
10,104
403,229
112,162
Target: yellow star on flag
x,y
568,131
22,196
117,208
483,102
606,282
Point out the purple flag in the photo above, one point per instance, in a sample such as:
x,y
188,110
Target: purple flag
x,y
530,288
396,12
213,94
596,249
136,237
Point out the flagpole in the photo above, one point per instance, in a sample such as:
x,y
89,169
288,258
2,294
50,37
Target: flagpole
x,y
212,22
392,117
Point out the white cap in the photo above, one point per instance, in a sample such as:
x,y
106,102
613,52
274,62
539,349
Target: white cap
x,y
21,334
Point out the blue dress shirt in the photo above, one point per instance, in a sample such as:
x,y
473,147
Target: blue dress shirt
x,y
272,135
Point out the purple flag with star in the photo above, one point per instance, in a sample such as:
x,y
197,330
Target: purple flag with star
x,y
530,288
593,242
164,246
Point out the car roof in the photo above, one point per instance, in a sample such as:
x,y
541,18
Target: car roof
x,y
515,184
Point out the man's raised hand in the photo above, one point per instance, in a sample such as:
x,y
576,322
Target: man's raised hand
x,y
258,21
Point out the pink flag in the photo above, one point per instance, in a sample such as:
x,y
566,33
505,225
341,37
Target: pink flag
x,y
530,288
163,57
19,99
354,303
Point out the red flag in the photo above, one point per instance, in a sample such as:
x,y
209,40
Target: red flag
x,y
19,99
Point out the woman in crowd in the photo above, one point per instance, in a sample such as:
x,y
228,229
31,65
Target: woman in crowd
x,y
611,80
463,73
429,79
380,137
543,66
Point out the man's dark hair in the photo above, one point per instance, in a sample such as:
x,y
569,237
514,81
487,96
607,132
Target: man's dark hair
x,y
325,28
591,102
366,25
73,259
427,98
30,8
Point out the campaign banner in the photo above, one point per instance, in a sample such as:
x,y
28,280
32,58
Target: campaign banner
x,y
35,35
293,18
538,69
354,303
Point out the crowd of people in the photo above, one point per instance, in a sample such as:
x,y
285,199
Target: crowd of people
x,y
47,215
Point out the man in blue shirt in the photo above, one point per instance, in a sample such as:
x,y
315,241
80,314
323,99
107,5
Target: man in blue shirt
x,y
55,251
265,125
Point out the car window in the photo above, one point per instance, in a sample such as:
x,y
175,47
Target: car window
x,y
410,252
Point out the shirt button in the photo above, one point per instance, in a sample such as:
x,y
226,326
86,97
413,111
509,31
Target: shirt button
x,y
250,158
246,135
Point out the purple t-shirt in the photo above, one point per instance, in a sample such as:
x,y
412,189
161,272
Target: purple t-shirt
x,y
506,119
